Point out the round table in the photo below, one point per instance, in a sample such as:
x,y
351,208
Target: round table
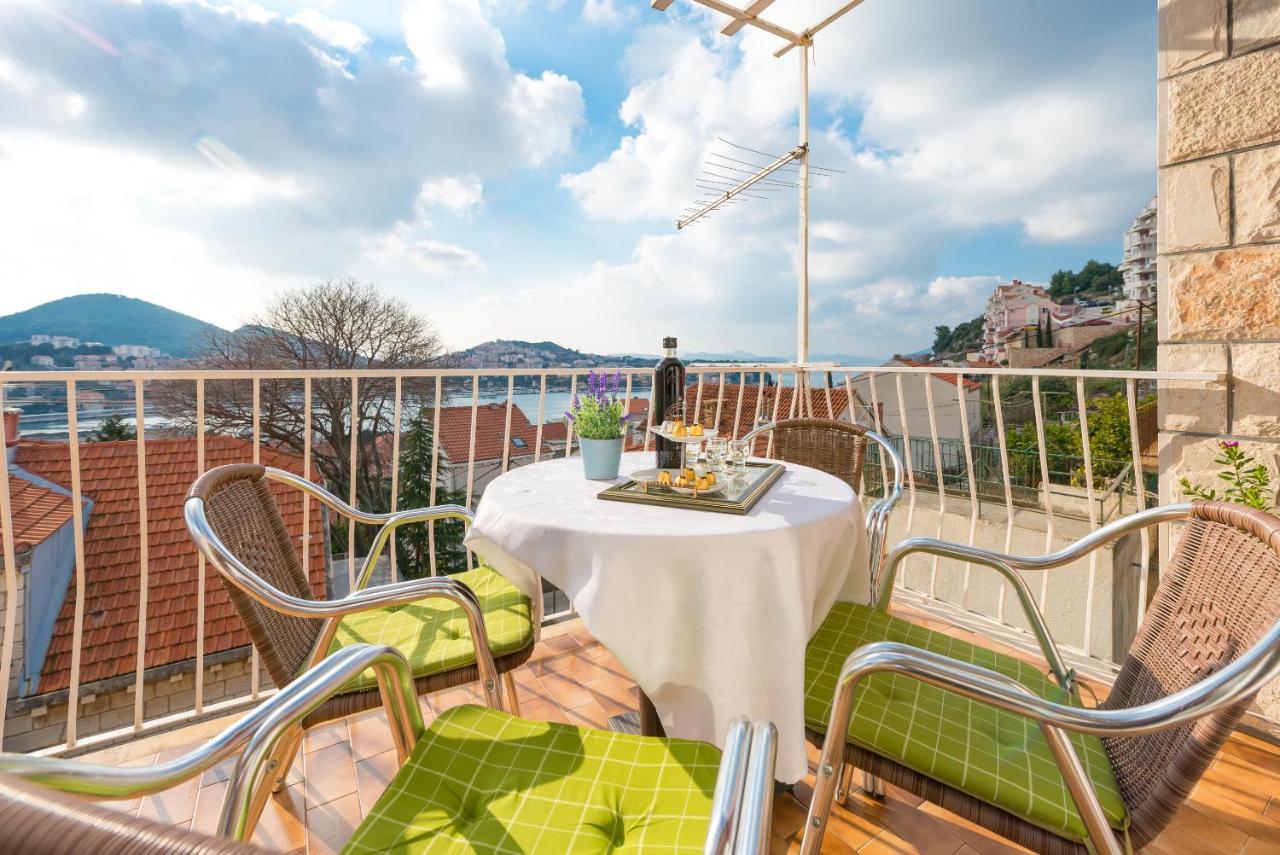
x,y
710,613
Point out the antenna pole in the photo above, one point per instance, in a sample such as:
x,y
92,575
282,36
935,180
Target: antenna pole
x,y
802,261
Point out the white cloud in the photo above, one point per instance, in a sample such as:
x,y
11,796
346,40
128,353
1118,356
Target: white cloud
x,y
458,194
547,110
975,127
343,35
603,13
402,247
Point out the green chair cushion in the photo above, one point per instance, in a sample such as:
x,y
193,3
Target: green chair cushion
x,y
996,756
433,633
485,781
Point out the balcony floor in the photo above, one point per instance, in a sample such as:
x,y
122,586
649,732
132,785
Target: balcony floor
x,y
345,766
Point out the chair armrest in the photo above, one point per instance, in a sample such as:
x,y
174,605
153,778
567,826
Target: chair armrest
x,y
389,522
268,721
417,515
727,800
1009,565
756,817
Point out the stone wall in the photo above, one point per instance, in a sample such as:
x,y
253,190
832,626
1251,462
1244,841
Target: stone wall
x,y
34,724
1219,268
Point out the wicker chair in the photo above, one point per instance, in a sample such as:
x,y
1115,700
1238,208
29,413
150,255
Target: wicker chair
x,y
840,449
477,778
1093,780
456,629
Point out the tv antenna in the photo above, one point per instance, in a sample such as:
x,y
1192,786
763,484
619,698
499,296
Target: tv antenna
x,y
734,173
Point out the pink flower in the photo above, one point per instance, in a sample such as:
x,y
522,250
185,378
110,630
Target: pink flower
x,y
1229,443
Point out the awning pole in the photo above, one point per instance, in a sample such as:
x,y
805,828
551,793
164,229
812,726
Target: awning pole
x,y
802,261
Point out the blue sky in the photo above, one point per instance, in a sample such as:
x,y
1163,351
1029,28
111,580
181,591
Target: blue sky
x,y
512,168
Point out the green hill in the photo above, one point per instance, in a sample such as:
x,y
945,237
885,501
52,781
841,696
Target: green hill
x,y
110,319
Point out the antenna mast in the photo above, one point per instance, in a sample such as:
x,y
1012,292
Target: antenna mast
x,y
765,177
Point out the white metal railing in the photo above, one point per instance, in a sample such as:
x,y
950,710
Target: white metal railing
x,y
980,412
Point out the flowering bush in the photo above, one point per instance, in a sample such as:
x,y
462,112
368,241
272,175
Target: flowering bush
x,y
598,413
1247,481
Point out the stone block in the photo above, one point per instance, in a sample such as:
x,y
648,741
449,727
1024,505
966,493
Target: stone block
x,y
1192,457
1255,378
1192,405
1232,293
1191,34
1254,23
1195,205
1229,106
1257,195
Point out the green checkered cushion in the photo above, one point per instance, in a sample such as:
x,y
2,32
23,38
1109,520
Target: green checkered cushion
x,y
433,633
485,781
996,756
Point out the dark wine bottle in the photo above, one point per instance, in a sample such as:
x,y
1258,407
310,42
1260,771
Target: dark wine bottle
x,y
668,401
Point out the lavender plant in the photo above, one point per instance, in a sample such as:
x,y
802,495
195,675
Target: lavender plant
x,y
598,413
1247,482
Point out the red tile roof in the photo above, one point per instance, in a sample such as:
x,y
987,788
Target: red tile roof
x,y
108,472
751,399
948,378
37,510
491,421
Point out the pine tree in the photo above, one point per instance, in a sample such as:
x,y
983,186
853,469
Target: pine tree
x,y
113,429
413,542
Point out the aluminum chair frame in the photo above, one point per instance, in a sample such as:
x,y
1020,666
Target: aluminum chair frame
x,y
877,515
1234,682
740,809
362,598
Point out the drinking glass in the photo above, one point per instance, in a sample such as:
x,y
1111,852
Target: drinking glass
x,y
739,451
717,451
692,454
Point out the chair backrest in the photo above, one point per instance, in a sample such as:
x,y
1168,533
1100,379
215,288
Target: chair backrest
x,y
39,820
837,448
1218,596
243,515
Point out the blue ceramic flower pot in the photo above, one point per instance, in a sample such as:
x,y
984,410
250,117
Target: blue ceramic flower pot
x,y
600,458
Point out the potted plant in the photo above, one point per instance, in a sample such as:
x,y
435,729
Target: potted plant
x,y
597,419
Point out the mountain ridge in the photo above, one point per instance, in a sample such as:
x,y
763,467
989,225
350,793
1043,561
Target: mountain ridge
x,y
111,319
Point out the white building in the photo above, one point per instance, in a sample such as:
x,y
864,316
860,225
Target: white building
x,y
137,351
1139,265
58,341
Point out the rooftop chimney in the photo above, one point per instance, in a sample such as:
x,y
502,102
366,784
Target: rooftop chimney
x,y
11,418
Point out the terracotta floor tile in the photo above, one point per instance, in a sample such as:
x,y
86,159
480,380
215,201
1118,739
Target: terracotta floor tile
x,y
209,807
281,828
450,698
614,694
1193,833
566,692
552,663
583,668
590,714
174,806
370,734
1254,846
330,774
541,710
324,735
975,837
372,777
330,825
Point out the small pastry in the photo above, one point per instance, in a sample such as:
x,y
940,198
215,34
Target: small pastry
x,y
664,478
711,479
695,430
702,483
677,423
680,430
688,474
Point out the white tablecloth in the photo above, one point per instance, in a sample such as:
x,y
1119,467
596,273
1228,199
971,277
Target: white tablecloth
x,y
709,612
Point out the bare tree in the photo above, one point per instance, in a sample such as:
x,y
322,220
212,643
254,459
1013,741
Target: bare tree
x,y
334,325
